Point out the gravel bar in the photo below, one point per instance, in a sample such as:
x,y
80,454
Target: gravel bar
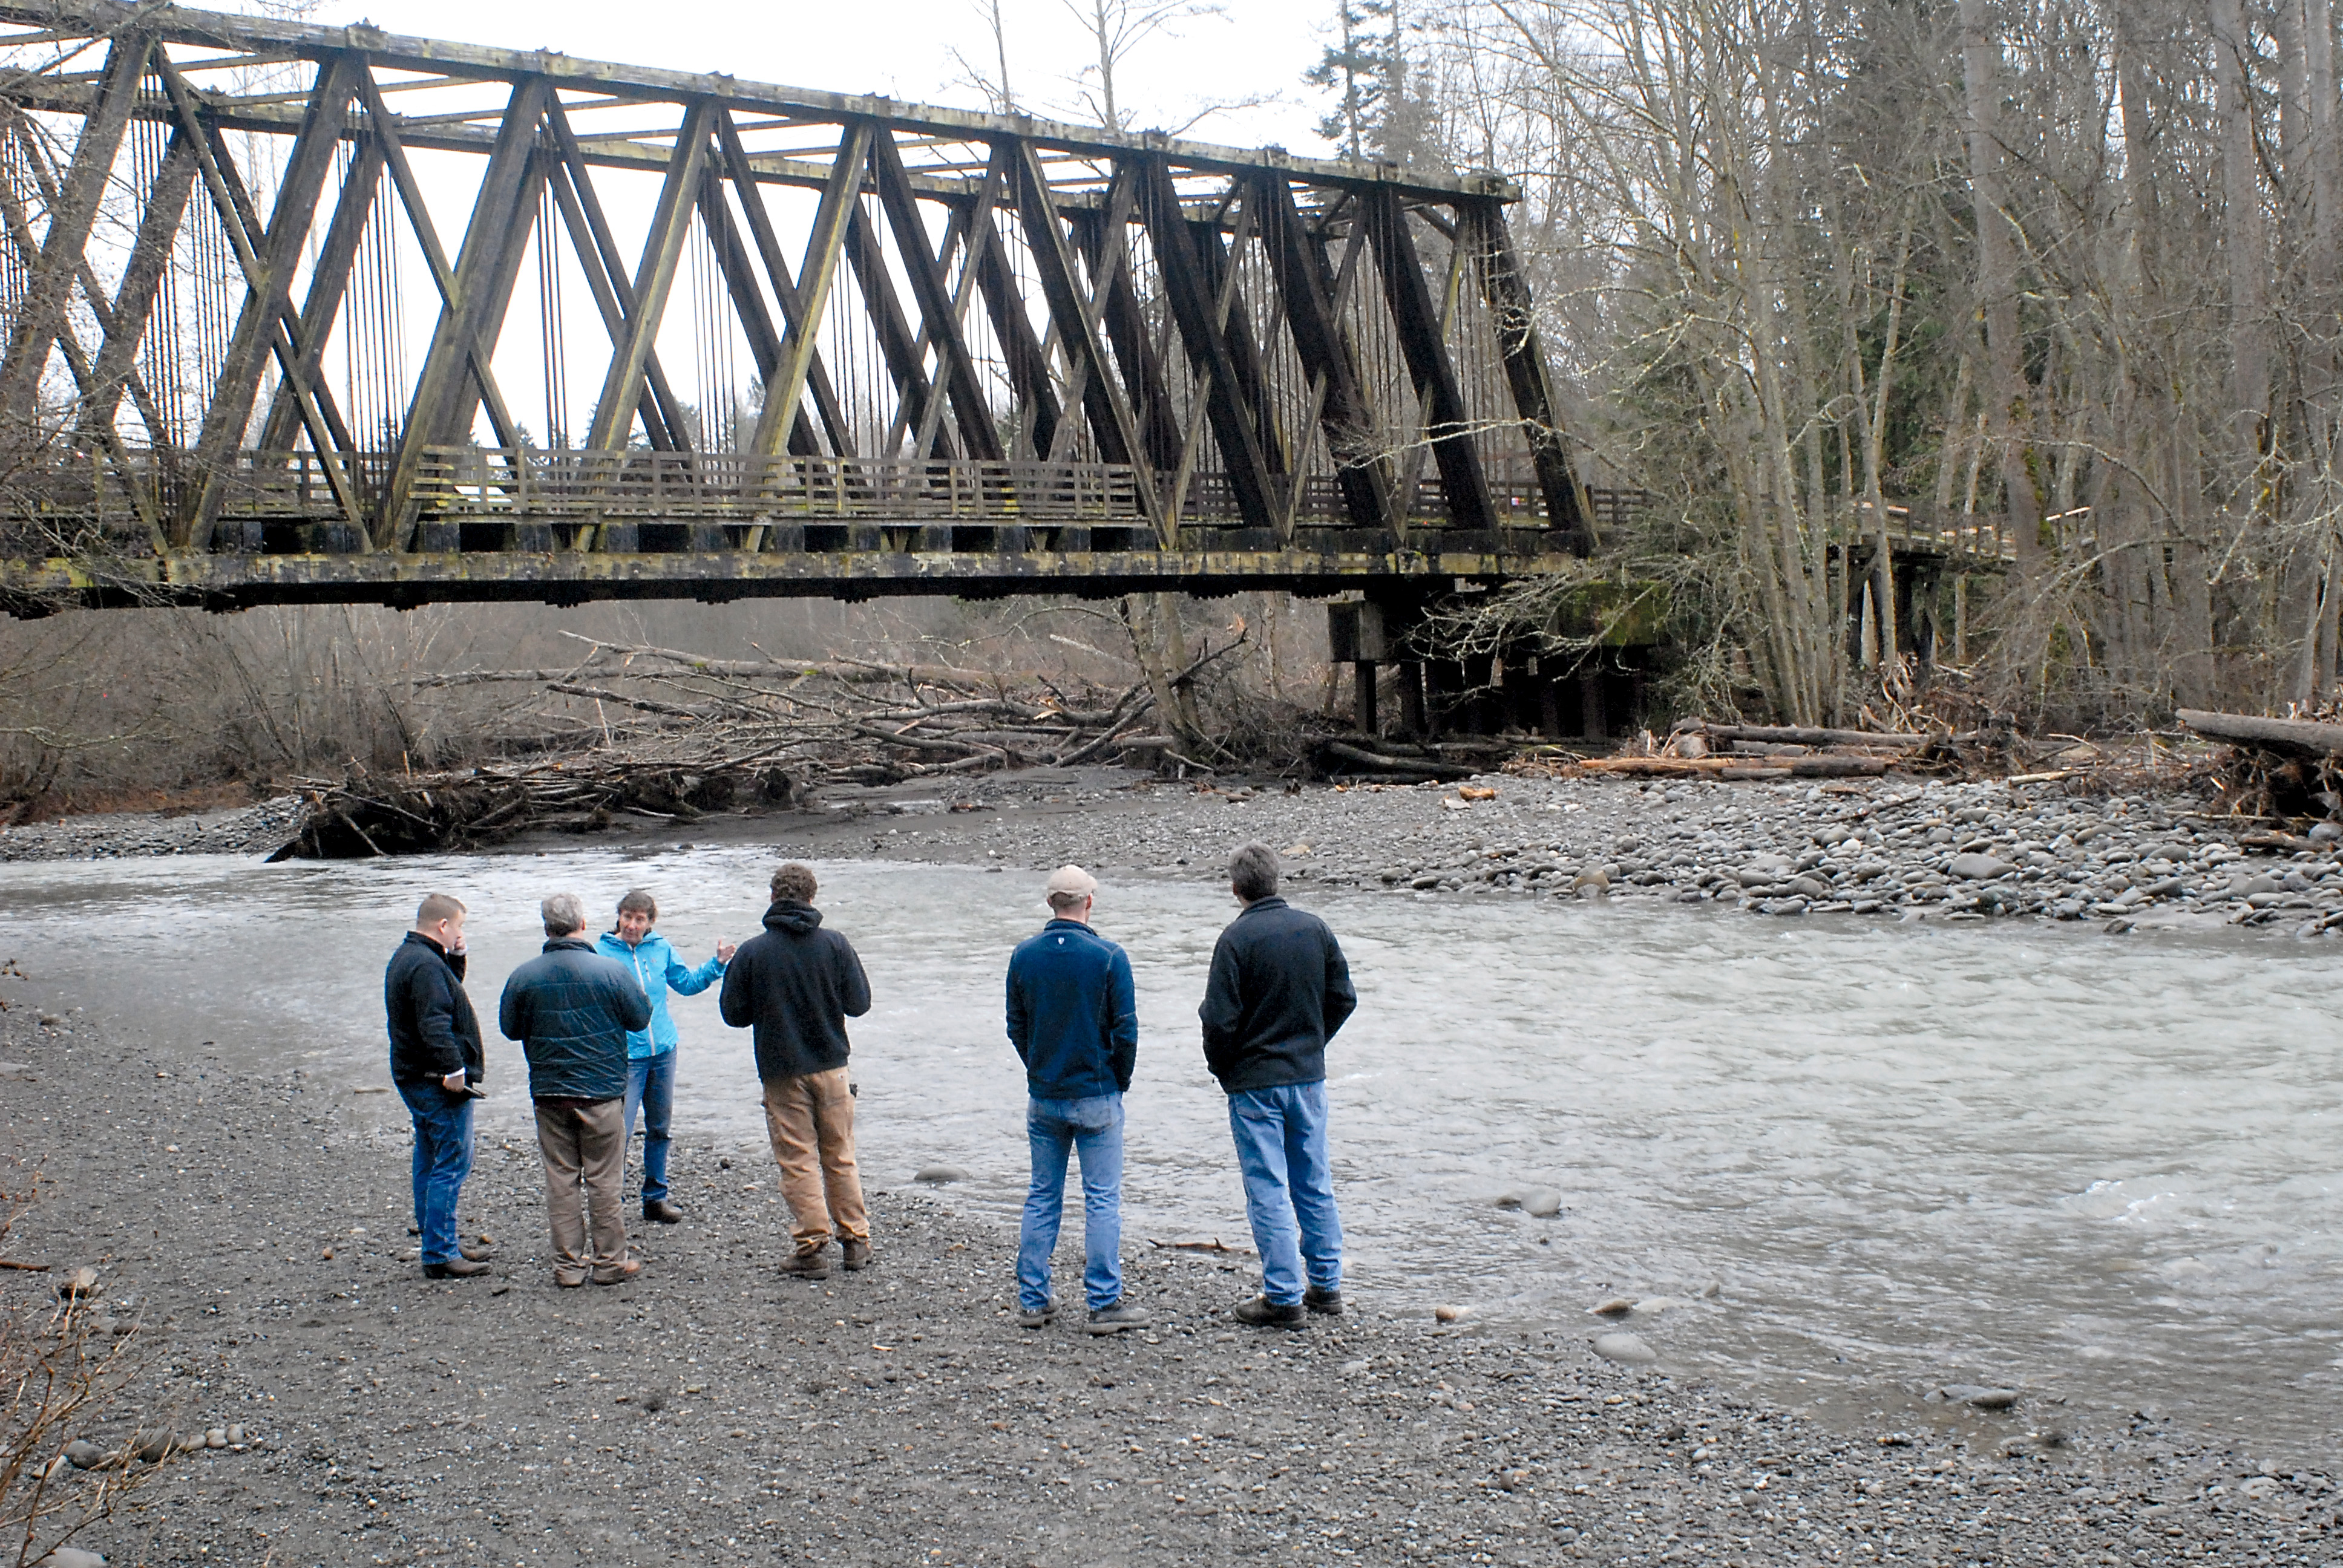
x,y
712,1412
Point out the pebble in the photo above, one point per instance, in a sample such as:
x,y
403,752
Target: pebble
x,y
1538,1203
940,1175
1979,1396
71,1557
1617,1307
83,1454
215,1438
1451,1315
1629,1350
80,1282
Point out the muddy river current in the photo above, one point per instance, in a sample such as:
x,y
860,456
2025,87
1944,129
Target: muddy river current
x,y
1856,1161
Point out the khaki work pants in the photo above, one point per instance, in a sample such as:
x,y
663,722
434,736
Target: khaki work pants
x,y
811,1121
585,1150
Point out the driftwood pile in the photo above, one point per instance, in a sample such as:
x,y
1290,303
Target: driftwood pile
x,y
667,734
2290,767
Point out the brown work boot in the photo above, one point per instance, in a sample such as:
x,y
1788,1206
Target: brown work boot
x,y
568,1279
658,1211
472,1255
858,1254
453,1268
618,1273
807,1263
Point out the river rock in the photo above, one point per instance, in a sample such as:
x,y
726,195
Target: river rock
x,y
71,1557
2325,832
80,1282
1979,1396
1617,1307
1628,1350
1451,1315
83,1454
1978,868
940,1175
157,1449
1538,1203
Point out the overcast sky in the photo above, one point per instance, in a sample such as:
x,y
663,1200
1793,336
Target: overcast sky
x,y
904,48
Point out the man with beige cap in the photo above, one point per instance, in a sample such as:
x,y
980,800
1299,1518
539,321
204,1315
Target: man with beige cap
x,y
1075,1024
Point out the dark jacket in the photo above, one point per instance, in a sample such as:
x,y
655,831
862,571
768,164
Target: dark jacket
x,y
1279,992
798,984
570,1008
433,1029
1072,1016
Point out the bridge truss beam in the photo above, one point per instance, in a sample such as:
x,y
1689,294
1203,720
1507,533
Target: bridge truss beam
x,y
211,357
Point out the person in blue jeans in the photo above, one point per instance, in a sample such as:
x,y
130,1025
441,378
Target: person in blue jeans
x,y
1279,991
1075,1025
650,1052
437,1063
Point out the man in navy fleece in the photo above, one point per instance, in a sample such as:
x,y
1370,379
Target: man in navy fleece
x,y
1075,1025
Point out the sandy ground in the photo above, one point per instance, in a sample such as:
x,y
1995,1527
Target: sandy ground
x,y
711,1412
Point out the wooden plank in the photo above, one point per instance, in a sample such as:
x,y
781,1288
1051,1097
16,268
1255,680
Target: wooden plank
x,y
938,313
670,224
1447,423
823,246
736,166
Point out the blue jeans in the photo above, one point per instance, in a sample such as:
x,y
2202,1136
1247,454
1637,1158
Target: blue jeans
x,y
443,1158
1055,1128
1281,1137
650,1088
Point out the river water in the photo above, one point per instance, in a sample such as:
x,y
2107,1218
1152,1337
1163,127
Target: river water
x,y
1864,1159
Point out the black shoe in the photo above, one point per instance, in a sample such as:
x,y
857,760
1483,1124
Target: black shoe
x,y
1330,1302
660,1212
453,1268
1037,1317
1262,1313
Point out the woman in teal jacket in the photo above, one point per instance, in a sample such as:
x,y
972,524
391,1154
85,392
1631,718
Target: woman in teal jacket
x,y
650,1052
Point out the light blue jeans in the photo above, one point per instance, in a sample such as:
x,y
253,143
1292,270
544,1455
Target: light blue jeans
x,y
1055,1128
650,1088
1281,1137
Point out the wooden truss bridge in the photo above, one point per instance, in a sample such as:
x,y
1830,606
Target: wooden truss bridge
x,y
297,313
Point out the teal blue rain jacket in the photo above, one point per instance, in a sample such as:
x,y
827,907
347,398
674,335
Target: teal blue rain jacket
x,y
658,969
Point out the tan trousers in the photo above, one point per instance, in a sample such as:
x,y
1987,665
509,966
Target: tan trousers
x,y
585,1148
811,1121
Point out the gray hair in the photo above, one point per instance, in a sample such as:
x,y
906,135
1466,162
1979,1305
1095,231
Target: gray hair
x,y
564,913
1253,871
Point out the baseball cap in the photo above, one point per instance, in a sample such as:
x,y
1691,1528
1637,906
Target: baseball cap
x,y
1072,882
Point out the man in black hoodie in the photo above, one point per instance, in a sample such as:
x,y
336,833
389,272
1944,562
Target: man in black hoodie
x,y
436,1062
1279,991
797,984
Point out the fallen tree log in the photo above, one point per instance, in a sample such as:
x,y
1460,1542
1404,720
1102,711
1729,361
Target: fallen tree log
x,y
1738,769
2302,735
1796,735
1414,768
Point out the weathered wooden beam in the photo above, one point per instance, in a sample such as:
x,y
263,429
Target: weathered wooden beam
x,y
1424,344
1126,320
265,323
1037,410
660,409
383,130
654,279
1482,224
897,346
40,312
823,246
502,214
1187,289
1112,426
939,314
1313,314
329,281
732,259
778,277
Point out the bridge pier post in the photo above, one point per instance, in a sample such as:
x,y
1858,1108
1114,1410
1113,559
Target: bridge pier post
x,y
1362,697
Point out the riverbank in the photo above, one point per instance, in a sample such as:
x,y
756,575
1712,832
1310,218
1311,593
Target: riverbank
x,y
711,1411
1905,848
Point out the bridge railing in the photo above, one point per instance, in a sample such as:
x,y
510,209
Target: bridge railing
x,y
505,482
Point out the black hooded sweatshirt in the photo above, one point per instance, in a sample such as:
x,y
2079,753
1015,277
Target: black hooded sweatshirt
x,y
796,985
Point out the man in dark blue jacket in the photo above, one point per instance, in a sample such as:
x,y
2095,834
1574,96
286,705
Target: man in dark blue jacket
x,y
571,1009
436,1062
1279,991
1075,1025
